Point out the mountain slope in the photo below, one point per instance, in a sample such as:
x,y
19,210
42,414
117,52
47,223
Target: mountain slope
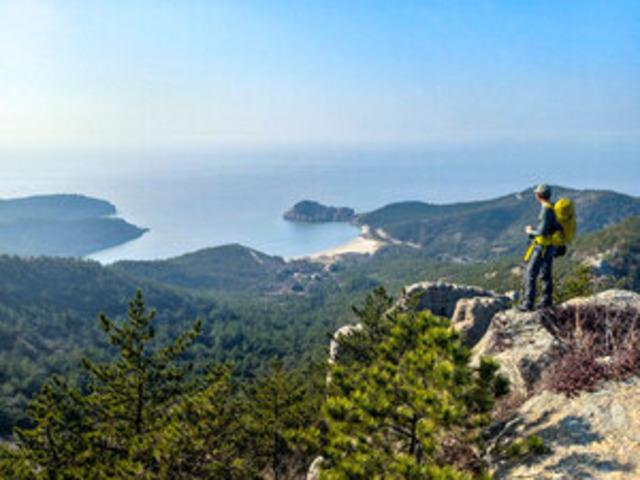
x,y
48,320
491,228
228,268
49,308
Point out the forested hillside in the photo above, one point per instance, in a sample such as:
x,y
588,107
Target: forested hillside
x,y
491,228
49,307
228,268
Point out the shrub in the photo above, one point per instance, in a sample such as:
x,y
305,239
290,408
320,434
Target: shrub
x,y
580,282
595,343
526,448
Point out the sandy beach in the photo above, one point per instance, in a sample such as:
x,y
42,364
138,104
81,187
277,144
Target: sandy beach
x,y
362,244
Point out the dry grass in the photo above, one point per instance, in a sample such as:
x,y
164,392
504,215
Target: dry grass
x,y
595,344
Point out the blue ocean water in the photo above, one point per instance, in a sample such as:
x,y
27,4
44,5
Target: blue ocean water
x,y
193,199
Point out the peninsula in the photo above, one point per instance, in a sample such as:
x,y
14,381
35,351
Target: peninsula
x,y
61,225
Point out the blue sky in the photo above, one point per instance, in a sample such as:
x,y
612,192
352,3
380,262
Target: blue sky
x,y
216,72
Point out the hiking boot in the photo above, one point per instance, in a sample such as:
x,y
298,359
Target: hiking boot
x,y
524,308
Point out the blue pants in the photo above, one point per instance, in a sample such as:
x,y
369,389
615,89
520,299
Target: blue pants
x,y
540,263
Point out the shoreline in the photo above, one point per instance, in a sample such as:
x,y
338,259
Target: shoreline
x,y
364,244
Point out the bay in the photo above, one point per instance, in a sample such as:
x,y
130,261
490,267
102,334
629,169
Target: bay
x,y
197,198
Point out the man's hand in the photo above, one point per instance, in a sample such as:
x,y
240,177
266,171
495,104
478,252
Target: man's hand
x,y
529,229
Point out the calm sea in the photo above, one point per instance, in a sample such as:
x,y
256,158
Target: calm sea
x,y
196,199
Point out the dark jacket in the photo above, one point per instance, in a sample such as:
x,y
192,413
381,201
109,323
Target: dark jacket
x,y
547,224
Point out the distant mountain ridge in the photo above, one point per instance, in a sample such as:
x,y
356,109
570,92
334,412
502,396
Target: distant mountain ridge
x,y
229,268
490,228
61,225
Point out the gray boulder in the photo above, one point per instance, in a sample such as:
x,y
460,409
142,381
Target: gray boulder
x,y
520,344
613,297
472,316
334,346
469,308
440,298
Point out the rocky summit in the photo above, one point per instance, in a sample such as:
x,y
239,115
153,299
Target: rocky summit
x,y
591,436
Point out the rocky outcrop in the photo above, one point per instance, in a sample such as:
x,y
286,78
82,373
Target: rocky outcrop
x,y
335,345
610,298
470,309
523,346
593,436
472,316
520,344
314,212
440,298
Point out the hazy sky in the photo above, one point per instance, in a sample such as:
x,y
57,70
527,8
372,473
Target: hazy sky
x,y
214,72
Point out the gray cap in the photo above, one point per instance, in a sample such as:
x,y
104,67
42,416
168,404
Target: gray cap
x,y
543,190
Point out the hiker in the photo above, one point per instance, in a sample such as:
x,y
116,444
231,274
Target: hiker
x,y
555,230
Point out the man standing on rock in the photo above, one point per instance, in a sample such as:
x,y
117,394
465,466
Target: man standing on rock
x,y
539,257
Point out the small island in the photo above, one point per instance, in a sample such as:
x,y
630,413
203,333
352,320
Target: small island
x,y
309,211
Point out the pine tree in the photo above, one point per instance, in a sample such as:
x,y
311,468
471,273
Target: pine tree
x,y
142,416
130,398
205,436
281,406
413,406
49,449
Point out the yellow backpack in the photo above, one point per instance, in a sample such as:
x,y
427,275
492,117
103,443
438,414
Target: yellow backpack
x,y
565,213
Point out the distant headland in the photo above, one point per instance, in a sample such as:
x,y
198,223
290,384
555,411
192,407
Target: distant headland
x,y
309,211
61,225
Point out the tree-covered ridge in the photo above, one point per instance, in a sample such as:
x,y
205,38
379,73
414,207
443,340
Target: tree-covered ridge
x,y
611,256
228,268
47,312
490,228
61,225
